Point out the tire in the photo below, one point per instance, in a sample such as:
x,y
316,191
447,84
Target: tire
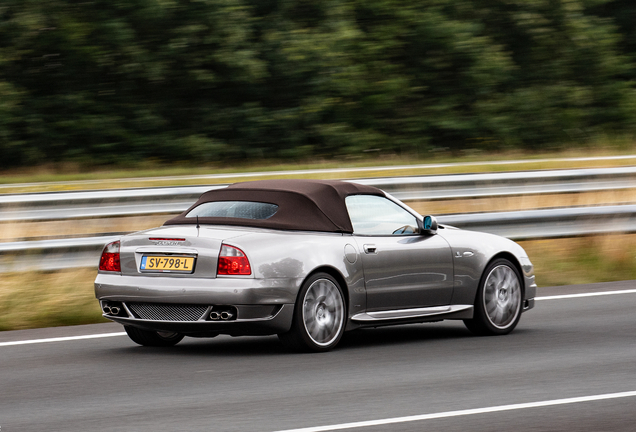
x,y
319,316
153,338
498,301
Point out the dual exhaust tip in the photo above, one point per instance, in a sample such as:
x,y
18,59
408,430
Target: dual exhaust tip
x,y
112,308
223,315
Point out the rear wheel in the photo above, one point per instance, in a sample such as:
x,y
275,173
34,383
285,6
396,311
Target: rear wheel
x,y
498,301
153,338
319,316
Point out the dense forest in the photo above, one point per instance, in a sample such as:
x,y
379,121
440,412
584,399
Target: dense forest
x,y
108,81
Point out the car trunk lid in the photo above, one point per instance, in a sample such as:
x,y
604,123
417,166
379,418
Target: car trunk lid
x,y
183,251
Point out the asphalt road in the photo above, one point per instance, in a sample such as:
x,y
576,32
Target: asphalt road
x,y
564,348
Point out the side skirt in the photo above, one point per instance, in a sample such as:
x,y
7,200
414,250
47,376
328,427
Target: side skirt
x,y
400,316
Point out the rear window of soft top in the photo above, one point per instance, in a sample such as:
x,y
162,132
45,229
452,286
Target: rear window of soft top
x,y
234,209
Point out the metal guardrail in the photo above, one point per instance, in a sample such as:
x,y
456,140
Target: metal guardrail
x,y
170,200
507,184
549,223
92,204
517,225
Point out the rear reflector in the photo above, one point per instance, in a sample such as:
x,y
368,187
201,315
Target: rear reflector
x,y
232,261
109,260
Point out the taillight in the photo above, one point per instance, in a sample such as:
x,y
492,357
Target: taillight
x,y
232,261
110,258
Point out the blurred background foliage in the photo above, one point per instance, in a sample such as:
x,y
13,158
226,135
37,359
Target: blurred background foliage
x,y
115,81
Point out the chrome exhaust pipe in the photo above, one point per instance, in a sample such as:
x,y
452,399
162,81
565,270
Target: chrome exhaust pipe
x,y
114,310
106,309
225,315
215,316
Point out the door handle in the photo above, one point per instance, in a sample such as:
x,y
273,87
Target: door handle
x,y
369,248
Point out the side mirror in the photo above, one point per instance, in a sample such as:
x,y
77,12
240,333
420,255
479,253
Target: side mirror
x,y
429,225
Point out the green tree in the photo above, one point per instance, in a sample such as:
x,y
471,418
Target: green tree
x,y
209,80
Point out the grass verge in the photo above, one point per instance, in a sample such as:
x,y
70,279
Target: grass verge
x,y
582,260
48,299
66,297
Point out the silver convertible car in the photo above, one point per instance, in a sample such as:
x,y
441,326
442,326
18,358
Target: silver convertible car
x,y
307,260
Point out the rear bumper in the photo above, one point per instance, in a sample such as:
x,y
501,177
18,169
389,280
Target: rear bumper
x,y
228,291
279,322
274,298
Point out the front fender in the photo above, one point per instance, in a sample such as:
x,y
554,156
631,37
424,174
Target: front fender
x,y
473,251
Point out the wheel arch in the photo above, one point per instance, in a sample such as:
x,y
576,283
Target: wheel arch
x,y
334,273
299,337
483,323
513,259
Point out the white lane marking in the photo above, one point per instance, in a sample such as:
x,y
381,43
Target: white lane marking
x,y
71,338
61,339
466,412
592,294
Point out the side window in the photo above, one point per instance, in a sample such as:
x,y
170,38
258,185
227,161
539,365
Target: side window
x,y
374,215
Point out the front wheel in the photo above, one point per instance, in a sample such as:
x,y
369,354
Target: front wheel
x,y
319,316
153,338
498,301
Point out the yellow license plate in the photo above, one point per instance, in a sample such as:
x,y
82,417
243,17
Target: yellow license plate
x,y
167,264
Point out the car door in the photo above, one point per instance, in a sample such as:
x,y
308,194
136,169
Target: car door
x,y
402,267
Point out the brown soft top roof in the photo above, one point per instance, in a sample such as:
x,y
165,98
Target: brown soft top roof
x,y
306,205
